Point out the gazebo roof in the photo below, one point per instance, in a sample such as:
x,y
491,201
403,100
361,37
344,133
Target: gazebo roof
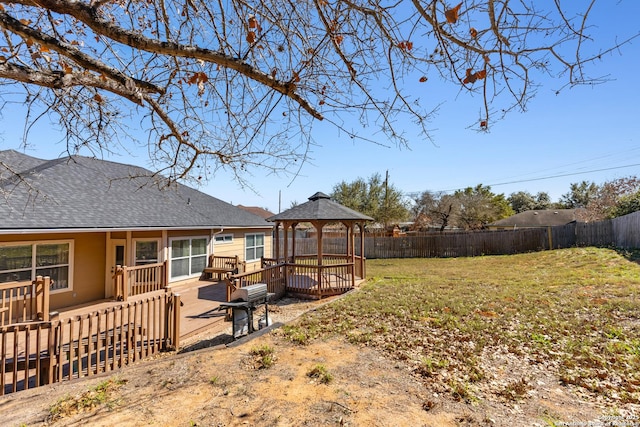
x,y
320,207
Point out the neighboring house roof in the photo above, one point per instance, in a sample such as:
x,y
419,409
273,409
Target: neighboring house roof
x,y
320,207
257,211
537,218
85,193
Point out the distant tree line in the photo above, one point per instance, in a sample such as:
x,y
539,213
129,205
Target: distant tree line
x,y
473,208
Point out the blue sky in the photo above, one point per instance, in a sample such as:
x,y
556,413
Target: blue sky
x,y
584,133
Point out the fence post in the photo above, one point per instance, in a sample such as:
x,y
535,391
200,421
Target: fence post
x,y
175,332
165,274
232,285
42,289
125,283
235,284
50,362
117,283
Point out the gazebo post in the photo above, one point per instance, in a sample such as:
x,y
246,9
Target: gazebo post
x,y
362,262
353,243
319,227
277,257
293,242
351,251
286,241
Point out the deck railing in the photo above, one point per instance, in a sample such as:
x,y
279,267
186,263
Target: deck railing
x,y
39,353
138,280
273,276
320,280
269,262
24,301
308,259
26,360
303,277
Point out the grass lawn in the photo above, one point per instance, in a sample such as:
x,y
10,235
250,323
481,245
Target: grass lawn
x,y
574,313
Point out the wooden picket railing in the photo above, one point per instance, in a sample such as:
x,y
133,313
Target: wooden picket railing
x,y
26,358
24,301
327,259
138,280
273,276
304,277
320,280
39,353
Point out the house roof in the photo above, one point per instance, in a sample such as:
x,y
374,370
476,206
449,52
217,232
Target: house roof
x,y
85,193
538,218
320,207
257,211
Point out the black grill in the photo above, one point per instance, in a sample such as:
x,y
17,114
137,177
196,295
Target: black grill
x,y
255,294
243,303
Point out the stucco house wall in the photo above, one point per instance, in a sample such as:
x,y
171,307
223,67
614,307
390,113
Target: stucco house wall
x,y
78,217
86,258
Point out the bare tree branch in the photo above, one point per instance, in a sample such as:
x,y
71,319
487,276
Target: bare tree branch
x,y
238,85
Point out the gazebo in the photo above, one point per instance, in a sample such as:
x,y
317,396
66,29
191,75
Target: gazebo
x,y
320,274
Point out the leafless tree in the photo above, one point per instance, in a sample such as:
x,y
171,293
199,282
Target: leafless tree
x,y
435,210
606,197
239,84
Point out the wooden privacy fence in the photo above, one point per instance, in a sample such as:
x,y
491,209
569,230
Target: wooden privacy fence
x,y
41,353
437,245
622,232
626,230
595,234
24,301
141,279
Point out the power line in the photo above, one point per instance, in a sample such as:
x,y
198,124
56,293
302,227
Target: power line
x,y
535,179
565,174
625,153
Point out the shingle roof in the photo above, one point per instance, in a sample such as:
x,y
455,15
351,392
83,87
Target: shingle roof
x,y
538,218
82,192
320,207
256,210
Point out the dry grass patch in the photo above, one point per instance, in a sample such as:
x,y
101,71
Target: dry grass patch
x,y
102,394
573,312
321,374
263,357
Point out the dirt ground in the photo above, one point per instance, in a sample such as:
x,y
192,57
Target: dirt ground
x,y
216,385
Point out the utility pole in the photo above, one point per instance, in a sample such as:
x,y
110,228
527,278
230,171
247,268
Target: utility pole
x,y
386,200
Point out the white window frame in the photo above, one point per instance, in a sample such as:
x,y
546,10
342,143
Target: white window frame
x,y
141,239
34,267
226,239
170,263
264,245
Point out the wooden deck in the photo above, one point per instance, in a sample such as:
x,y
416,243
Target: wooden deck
x,y
200,301
101,336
